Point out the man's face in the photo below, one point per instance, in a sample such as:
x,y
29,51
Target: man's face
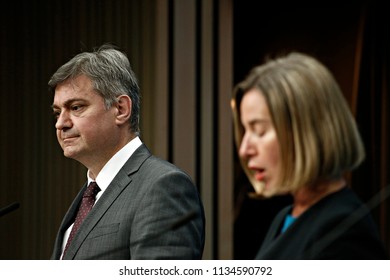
x,y
86,130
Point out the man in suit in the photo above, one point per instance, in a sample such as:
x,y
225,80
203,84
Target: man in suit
x,y
139,197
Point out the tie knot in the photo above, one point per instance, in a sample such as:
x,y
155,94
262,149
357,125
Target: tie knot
x,y
92,190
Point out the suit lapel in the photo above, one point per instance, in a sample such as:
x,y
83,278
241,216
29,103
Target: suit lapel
x,y
115,188
66,222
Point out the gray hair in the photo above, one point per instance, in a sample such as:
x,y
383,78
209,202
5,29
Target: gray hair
x,y
110,72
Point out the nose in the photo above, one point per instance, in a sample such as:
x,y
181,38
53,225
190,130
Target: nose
x,y
246,148
63,121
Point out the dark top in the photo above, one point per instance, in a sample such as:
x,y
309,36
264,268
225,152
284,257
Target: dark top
x,y
337,227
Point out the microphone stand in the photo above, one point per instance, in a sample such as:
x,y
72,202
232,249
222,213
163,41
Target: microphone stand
x,y
9,208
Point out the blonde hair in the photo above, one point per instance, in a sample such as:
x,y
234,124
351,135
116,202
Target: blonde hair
x,y
317,133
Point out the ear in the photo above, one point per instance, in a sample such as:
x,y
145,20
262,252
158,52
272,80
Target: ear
x,y
123,106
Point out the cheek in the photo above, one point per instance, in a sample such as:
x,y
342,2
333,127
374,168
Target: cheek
x,y
275,158
97,130
58,134
274,152
91,130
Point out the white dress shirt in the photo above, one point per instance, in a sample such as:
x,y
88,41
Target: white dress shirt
x,y
107,174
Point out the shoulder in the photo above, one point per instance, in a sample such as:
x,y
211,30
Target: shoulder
x,y
142,160
344,228
146,167
163,167
339,204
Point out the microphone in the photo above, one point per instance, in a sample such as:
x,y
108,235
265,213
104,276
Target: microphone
x,y
9,208
347,223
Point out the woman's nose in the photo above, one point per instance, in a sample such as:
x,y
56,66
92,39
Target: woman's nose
x,y
246,147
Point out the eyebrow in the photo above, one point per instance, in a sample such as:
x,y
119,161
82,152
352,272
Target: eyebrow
x,y
258,121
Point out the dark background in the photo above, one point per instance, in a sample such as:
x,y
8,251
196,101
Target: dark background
x,y
36,37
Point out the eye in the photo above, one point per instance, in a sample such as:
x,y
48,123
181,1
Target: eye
x,y
76,107
56,114
259,130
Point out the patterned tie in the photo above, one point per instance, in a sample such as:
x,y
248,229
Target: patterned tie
x,y
87,203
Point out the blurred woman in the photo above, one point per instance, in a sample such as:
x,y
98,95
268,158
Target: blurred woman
x,y
296,135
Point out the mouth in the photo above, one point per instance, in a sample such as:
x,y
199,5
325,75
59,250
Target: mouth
x,y
259,174
69,138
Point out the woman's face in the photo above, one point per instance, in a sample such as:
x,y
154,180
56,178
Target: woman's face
x,y
260,146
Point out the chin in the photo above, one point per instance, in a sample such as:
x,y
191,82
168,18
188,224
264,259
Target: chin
x,y
69,153
271,191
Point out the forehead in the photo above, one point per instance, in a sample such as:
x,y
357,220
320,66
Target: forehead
x,y
80,83
79,87
253,107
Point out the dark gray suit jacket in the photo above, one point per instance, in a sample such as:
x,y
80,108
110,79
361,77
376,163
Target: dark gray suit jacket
x,y
146,196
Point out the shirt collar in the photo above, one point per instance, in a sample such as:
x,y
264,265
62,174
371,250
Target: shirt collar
x,y
112,167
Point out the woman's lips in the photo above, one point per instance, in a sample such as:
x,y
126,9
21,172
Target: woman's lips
x,y
259,173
